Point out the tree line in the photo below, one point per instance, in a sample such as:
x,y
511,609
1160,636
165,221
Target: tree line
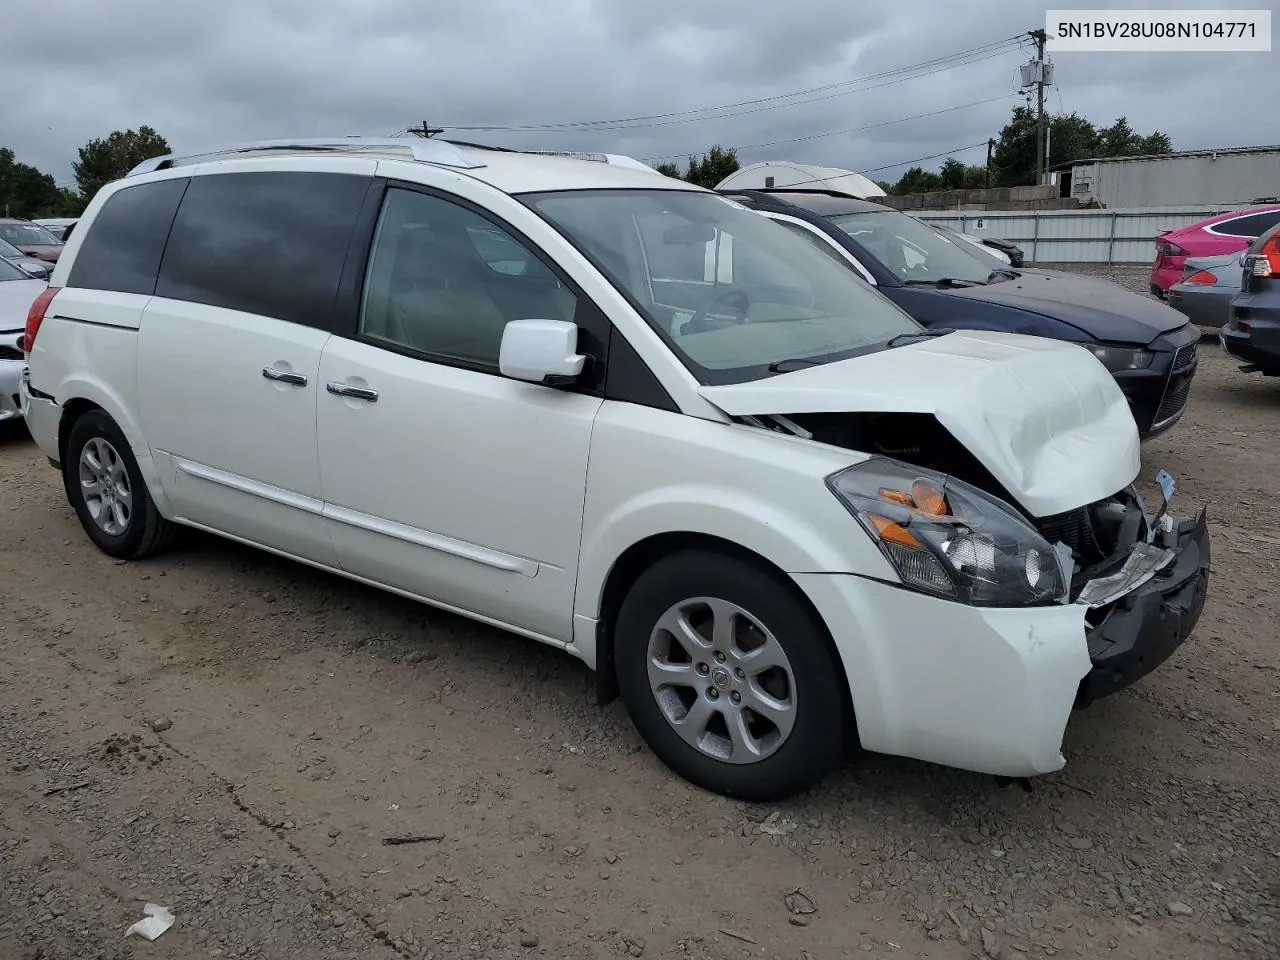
x,y
1013,156
26,191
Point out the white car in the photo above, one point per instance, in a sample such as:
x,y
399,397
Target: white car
x,y
58,226
779,516
18,292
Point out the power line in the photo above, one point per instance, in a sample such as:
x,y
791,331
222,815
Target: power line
x,y
837,133
897,75
932,156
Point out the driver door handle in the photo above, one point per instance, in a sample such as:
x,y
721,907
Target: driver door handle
x,y
282,376
340,389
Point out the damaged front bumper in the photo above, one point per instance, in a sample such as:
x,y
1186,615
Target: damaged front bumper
x,y
993,689
1135,633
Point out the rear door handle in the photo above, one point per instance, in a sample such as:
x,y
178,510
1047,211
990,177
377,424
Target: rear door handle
x,y
340,389
282,376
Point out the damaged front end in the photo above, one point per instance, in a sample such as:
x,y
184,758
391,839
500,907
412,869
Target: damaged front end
x,y
1141,575
1143,578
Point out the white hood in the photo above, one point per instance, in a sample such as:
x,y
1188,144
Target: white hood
x,y
1044,416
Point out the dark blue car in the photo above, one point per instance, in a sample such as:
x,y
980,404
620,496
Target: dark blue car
x,y
1252,333
1149,347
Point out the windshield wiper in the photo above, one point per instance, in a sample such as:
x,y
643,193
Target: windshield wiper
x,y
1005,273
782,366
945,282
917,335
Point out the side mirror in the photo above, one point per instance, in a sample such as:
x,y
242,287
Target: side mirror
x,y
541,351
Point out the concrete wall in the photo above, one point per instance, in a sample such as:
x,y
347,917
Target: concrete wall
x,y
997,198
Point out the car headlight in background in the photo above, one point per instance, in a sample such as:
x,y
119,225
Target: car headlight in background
x,y
950,539
1116,359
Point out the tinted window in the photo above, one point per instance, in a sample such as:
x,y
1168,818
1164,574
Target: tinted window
x,y
1254,225
913,250
265,243
444,281
122,249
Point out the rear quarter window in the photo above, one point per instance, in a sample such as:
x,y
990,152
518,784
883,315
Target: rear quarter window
x,y
122,248
269,243
1254,225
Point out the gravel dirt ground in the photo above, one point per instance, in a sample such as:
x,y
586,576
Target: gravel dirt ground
x,y
238,737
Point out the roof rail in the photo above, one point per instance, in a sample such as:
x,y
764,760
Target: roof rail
x,y
617,159
423,150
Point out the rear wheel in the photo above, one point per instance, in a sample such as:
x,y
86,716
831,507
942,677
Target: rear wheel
x,y
106,489
729,676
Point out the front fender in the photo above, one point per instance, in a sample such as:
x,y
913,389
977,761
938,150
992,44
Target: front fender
x,y
652,472
790,542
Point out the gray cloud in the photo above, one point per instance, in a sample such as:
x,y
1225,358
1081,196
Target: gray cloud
x,y
208,73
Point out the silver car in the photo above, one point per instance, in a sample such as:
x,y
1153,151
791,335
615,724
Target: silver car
x,y
36,269
1204,293
17,292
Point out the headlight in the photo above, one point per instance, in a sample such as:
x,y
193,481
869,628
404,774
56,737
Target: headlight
x,y
947,538
1116,359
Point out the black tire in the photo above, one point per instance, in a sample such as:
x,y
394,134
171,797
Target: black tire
x,y
817,737
146,532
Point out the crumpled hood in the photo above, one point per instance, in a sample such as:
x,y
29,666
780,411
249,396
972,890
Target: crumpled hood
x,y
1101,309
1043,416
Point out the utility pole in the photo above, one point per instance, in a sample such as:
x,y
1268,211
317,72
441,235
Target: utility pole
x,y
424,130
986,181
1039,37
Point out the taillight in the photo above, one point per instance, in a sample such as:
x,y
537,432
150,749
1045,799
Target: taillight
x,y
1266,262
1167,249
35,317
1202,278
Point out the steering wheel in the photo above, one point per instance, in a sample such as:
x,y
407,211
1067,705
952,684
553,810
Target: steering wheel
x,y
698,322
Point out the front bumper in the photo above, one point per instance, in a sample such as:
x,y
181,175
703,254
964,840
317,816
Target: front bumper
x,y
992,690
1142,629
1158,395
10,389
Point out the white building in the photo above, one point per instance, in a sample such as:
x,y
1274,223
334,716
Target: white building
x,y
1232,177
784,173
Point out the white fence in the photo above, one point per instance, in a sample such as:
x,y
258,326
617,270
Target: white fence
x,y
1075,236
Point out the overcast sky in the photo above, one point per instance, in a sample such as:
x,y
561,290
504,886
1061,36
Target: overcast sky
x,y
204,73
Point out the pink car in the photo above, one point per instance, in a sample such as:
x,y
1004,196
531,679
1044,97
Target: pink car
x,y
1225,233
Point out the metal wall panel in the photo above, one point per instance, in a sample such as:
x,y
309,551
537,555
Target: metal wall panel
x,y
1077,236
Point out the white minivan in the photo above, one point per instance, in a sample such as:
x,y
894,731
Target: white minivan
x,y
777,516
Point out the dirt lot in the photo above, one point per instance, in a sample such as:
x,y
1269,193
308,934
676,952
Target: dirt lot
x,y
235,736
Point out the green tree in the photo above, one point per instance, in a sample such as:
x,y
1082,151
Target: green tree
x,y
712,167
707,170
917,180
24,190
102,161
1071,137
952,174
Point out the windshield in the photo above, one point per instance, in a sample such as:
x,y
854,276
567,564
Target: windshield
x,y
28,235
9,272
914,251
731,291
8,251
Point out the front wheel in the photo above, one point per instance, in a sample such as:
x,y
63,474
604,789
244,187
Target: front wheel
x,y
106,489
729,677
